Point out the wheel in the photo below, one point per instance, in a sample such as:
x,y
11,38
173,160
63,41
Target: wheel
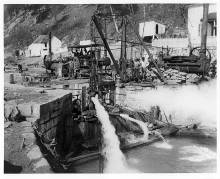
x,y
196,51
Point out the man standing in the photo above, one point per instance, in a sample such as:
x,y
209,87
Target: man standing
x,y
71,69
137,66
144,64
76,66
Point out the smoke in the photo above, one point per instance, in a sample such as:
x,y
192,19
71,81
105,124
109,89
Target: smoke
x,y
140,123
115,161
186,104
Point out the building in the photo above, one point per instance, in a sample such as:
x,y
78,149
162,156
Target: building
x,y
40,46
195,16
150,29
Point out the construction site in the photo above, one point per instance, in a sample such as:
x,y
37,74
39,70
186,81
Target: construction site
x,y
128,108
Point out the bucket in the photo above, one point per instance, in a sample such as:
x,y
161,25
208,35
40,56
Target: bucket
x,y
11,79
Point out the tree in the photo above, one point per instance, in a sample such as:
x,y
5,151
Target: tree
x,y
21,36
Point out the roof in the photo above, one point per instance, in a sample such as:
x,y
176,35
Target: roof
x,y
41,39
211,16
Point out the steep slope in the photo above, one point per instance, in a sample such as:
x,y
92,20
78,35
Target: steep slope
x,y
70,22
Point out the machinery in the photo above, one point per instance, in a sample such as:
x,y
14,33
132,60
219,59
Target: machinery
x,y
190,64
199,58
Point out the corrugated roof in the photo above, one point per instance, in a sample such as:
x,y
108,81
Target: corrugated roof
x,y
41,39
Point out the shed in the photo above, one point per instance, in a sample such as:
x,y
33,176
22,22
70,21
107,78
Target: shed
x,y
149,29
40,46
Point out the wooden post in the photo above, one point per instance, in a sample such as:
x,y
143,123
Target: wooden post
x,y
105,50
83,98
50,51
204,36
123,50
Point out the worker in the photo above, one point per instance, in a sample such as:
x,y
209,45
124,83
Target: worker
x,y
137,66
76,66
71,69
144,64
20,68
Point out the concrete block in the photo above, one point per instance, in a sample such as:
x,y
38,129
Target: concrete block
x,y
34,153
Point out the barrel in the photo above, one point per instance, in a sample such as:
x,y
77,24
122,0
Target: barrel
x,y
11,79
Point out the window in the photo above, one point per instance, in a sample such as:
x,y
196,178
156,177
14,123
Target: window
x,y
157,29
45,44
212,31
211,28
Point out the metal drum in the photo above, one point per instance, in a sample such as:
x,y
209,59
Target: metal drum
x,y
97,54
11,79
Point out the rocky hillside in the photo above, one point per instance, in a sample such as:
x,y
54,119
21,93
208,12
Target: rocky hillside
x,y
70,23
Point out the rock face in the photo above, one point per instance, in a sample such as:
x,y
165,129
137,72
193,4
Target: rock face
x,y
21,149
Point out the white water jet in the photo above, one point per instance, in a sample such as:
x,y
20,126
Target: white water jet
x,y
140,123
115,161
159,135
143,126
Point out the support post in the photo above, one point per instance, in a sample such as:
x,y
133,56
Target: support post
x,y
105,50
204,36
50,51
123,50
83,98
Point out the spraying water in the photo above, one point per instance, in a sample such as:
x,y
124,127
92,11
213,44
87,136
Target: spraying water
x,y
143,126
186,104
115,159
159,135
140,123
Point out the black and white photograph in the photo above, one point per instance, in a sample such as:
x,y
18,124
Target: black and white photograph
x,y
110,88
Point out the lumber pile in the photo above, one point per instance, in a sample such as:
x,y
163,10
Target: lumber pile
x,y
173,76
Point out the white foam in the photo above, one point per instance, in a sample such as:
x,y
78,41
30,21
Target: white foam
x,y
197,153
162,145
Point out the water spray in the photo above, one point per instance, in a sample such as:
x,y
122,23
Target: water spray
x,y
140,123
115,161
